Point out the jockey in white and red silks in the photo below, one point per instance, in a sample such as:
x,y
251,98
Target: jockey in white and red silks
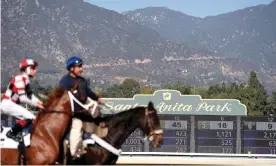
x,y
17,92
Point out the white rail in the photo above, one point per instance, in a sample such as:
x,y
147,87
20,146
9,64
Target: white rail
x,y
199,154
163,158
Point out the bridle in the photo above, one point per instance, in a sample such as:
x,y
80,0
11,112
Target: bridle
x,y
155,132
72,99
60,112
85,106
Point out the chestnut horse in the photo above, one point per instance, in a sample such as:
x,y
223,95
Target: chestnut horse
x,y
47,133
120,126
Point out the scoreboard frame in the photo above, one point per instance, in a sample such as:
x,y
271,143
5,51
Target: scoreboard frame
x,y
192,133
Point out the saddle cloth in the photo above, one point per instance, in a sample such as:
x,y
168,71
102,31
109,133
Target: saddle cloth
x,y
10,143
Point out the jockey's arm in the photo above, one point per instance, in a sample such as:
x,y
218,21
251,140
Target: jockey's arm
x,y
95,97
91,94
23,98
26,96
35,99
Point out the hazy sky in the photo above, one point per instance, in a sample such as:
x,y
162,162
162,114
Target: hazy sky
x,y
199,8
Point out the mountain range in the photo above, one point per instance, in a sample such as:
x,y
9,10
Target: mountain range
x,y
247,33
152,45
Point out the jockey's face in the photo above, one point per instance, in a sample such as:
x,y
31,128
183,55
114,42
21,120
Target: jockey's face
x,y
77,70
32,72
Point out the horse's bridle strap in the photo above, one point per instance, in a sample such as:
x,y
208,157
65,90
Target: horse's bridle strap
x,y
59,112
158,131
155,132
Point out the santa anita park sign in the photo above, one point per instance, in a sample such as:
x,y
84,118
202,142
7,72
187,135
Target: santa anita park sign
x,y
173,102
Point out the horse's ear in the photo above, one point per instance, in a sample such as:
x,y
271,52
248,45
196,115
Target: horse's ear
x,y
150,106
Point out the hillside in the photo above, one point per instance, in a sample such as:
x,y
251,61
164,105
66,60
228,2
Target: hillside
x,y
113,46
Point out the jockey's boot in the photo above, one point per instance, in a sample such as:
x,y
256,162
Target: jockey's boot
x,y
18,127
13,133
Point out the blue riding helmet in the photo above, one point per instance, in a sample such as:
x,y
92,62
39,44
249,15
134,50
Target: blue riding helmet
x,y
73,61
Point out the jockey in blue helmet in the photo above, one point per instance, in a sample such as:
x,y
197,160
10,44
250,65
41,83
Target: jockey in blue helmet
x,y
74,66
73,61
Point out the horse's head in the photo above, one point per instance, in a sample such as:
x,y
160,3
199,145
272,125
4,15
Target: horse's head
x,y
150,124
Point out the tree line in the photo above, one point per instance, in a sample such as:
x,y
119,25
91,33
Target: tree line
x,y
251,93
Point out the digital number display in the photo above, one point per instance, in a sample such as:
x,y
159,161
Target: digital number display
x,y
176,133
215,134
258,135
134,143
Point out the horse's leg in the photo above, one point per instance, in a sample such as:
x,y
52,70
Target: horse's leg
x,y
62,154
65,152
67,160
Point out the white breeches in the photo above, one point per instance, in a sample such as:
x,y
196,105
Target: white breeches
x,y
10,108
75,135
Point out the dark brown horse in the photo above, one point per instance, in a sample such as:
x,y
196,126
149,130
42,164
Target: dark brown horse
x,y
120,126
47,132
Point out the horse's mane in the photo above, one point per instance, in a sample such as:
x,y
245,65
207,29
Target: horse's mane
x,y
111,119
53,95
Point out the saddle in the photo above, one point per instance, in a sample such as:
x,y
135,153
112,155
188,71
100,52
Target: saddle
x,y
100,130
89,125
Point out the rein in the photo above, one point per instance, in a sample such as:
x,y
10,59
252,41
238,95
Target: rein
x,y
72,98
66,113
